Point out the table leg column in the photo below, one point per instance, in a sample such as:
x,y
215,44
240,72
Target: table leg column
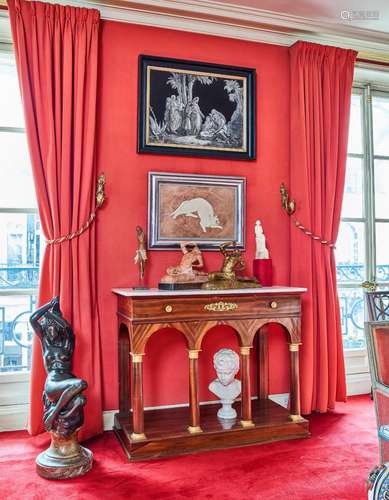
x,y
194,426
246,387
137,398
295,411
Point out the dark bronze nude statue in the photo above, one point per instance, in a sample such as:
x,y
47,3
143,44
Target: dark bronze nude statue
x,y
62,397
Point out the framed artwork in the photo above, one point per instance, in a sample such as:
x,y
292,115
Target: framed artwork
x,y
196,109
207,209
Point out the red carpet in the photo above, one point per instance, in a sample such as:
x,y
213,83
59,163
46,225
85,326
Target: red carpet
x,y
332,464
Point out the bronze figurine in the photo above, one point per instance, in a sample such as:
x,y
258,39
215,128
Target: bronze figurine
x,y
233,261
62,397
141,256
186,274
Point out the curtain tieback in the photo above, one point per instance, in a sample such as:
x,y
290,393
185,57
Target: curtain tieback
x,y
289,206
100,198
306,231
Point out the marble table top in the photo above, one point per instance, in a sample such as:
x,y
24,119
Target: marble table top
x,y
155,292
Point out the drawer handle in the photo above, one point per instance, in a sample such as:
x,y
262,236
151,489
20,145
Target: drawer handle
x,y
221,306
273,304
168,309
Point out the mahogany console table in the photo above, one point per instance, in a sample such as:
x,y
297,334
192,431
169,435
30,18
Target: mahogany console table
x,y
173,431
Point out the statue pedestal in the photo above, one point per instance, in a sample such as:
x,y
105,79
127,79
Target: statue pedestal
x,y
190,285
64,459
263,271
227,412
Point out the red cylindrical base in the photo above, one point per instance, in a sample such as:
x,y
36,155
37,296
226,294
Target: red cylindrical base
x,y
263,271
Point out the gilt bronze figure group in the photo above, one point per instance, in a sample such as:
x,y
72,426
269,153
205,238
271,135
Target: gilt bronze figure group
x,y
228,277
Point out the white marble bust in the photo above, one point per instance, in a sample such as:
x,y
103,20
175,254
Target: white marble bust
x,y
226,386
261,251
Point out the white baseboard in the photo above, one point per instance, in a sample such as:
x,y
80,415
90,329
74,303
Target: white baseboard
x,y
108,419
13,417
281,399
358,383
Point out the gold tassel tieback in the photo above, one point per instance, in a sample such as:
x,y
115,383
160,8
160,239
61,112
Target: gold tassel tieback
x,y
100,198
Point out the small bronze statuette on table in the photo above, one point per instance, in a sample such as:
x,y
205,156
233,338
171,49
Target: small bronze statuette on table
x,y
227,278
141,257
186,274
62,397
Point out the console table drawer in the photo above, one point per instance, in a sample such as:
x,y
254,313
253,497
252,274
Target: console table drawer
x,y
217,306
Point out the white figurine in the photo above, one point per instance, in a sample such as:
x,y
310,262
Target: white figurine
x,y
261,251
226,386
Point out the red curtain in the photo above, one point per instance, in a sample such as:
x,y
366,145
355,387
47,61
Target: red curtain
x,y
321,84
56,51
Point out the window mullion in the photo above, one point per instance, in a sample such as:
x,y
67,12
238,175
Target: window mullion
x,y
369,204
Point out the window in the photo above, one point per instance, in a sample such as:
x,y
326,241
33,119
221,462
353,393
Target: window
x,y
21,242
362,250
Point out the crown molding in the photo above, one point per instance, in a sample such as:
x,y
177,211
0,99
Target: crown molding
x,y
216,18
213,17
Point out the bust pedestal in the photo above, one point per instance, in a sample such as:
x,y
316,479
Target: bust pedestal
x,y
226,412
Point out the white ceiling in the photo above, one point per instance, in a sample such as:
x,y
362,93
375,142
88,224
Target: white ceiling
x,y
280,22
330,11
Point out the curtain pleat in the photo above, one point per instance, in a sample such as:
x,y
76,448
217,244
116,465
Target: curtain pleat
x,y
321,86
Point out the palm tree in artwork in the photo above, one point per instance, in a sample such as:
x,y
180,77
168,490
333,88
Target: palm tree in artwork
x,y
176,82
235,94
235,125
192,79
183,83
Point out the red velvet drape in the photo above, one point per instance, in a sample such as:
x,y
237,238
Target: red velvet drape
x,y
56,51
321,84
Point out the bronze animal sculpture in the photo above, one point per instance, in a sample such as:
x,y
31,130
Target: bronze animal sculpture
x,y
226,278
62,397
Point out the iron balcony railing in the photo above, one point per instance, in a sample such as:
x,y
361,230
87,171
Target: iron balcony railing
x,y
346,273
18,276
16,333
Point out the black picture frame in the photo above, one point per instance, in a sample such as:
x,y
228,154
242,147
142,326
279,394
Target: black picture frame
x,y
225,194
190,108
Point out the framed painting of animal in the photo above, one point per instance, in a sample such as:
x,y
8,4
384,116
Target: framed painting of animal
x,y
205,209
196,109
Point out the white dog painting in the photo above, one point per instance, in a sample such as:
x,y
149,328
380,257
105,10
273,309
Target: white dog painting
x,y
201,209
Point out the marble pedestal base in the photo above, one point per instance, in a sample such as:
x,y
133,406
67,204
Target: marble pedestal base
x,y
64,459
226,412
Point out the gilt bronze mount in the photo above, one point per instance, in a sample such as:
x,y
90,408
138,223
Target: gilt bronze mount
x,y
287,204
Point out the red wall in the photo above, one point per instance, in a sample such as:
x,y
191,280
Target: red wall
x,y
165,363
